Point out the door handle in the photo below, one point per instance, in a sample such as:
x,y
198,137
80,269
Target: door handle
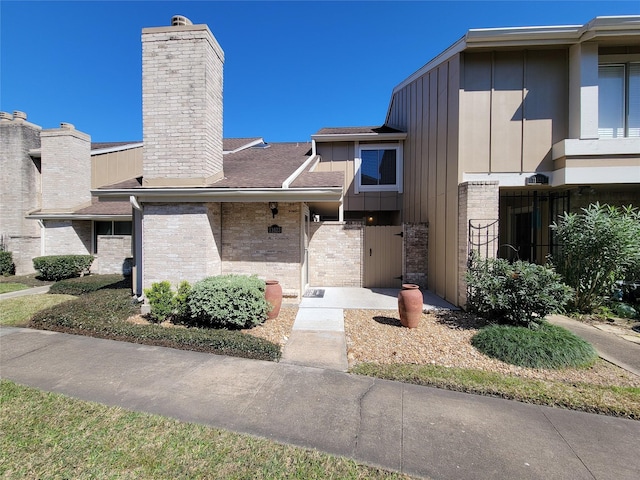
x,y
369,252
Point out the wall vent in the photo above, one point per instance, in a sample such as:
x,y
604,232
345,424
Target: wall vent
x,y
180,21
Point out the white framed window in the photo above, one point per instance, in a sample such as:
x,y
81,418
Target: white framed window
x,y
379,168
619,100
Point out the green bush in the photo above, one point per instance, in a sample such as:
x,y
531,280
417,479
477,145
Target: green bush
x,y
60,267
181,302
7,266
228,301
104,313
519,293
599,247
549,346
160,298
90,283
167,305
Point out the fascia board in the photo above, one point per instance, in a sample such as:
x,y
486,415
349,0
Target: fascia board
x,y
71,216
358,137
329,194
120,148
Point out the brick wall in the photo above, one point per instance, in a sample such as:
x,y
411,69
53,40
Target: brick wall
x,y
180,242
114,254
249,249
415,249
66,237
335,254
66,168
19,189
181,105
477,201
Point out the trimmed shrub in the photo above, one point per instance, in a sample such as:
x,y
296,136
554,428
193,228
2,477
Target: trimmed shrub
x,y
549,346
60,267
104,313
90,283
160,298
167,305
228,301
519,293
599,247
181,302
7,267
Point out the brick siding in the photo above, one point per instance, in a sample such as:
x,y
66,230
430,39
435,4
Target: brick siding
x,y
415,249
335,254
249,249
476,201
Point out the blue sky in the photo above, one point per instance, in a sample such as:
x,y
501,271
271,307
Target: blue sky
x,y
291,68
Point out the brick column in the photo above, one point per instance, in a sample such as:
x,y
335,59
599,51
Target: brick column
x,y
478,202
414,253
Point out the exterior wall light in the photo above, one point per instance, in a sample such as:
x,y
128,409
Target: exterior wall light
x,y
274,208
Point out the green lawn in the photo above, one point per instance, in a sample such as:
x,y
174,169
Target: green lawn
x,y
608,400
48,435
7,287
31,280
16,312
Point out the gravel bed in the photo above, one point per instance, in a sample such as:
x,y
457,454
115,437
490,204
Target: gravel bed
x,y
277,330
444,338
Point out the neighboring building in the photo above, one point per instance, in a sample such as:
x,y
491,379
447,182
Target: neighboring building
x,y
482,148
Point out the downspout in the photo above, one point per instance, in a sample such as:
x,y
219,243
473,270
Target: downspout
x,y
137,248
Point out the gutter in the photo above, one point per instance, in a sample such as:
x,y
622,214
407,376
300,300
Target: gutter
x,y
327,194
354,137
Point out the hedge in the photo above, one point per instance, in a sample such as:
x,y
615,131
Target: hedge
x,y
59,267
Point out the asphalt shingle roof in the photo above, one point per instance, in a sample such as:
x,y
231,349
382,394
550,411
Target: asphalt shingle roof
x,y
356,130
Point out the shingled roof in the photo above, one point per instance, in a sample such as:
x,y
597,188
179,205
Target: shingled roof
x,y
356,130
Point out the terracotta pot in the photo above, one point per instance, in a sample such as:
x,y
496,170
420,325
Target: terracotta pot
x,y
273,294
410,305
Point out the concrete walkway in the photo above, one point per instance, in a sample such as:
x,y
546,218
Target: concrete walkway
x,y
421,431
25,292
614,345
318,338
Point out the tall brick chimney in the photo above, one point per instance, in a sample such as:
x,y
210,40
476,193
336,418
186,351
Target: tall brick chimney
x,y
181,105
66,168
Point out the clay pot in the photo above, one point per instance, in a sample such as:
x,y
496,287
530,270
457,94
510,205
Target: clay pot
x,y
273,294
410,305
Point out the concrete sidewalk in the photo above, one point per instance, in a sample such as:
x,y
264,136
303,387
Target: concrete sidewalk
x,y
614,348
417,430
25,292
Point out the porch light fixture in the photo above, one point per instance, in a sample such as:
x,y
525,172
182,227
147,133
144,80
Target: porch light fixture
x,y
274,208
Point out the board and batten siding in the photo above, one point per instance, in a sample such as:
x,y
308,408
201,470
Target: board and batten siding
x,y
114,167
339,157
427,109
513,107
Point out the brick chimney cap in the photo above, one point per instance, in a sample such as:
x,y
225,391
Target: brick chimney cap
x,y
67,126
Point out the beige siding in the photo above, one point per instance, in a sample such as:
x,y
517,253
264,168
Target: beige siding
x,y
428,110
114,167
339,157
513,108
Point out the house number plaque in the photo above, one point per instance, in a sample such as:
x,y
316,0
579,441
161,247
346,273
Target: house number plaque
x,y
274,229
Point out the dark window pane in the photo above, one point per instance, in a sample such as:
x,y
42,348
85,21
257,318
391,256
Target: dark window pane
x,y
103,228
122,228
369,167
388,167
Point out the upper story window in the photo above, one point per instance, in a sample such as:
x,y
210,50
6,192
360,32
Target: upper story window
x,y
619,100
379,168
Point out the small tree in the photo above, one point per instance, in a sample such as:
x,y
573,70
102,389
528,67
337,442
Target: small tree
x,y
599,247
519,293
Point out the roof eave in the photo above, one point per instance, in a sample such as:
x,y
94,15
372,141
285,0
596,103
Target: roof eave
x,y
354,137
306,194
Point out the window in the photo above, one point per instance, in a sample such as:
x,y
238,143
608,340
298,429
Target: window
x,y
619,100
379,168
109,228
